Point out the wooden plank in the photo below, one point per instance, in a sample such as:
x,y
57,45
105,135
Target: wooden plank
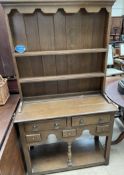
x,y
46,28
73,31
74,35
57,108
32,32
33,42
106,42
6,64
60,31
61,77
87,29
62,95
60,44
99,23
61,52
6,114
9,153
18,29
49,67
13,21
24,67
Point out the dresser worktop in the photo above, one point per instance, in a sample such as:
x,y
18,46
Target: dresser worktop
x,y
63,107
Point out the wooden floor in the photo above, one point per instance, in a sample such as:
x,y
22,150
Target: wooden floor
x,y
84,152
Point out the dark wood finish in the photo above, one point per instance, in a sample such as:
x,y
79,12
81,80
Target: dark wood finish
x,y
6,114
12,85
80,155
6,63
61,77
114,95
10,156
54,119
77,52
39,137
66,55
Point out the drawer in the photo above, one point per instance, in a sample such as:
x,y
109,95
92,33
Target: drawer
x,y
69,133
31,138
89,120
102,128
45,125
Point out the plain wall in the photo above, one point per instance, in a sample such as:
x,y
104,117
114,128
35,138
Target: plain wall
x,y
118,8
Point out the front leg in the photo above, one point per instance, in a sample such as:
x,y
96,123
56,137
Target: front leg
x,y
69,154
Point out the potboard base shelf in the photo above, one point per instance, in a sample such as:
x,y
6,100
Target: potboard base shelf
x,y
53,157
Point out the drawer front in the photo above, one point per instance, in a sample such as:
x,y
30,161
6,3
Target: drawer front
x,y
69,133
45,125
89,120
33,138
102,129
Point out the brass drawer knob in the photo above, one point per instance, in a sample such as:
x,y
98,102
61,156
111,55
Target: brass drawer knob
x,y
56,125
81,122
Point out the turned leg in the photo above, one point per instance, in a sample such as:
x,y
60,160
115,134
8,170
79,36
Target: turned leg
x,y
69,154
119,139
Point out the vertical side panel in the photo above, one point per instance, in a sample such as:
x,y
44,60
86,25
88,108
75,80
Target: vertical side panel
x,y
6,64
11,40
106,42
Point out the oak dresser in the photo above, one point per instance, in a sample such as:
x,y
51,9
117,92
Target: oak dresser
x,y
64,118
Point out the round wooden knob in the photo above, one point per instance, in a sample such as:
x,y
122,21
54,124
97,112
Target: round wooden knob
x,y
56,125
81,122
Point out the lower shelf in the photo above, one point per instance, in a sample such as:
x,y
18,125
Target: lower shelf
x,y
53,157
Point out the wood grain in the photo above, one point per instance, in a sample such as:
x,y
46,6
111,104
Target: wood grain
x,y
64,107
6,64
6,114
10,155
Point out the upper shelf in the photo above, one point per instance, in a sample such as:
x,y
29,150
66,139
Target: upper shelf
x,y
60,52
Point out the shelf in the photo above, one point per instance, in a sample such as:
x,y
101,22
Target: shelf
x,y
60,52
115,34
56,155
61,77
